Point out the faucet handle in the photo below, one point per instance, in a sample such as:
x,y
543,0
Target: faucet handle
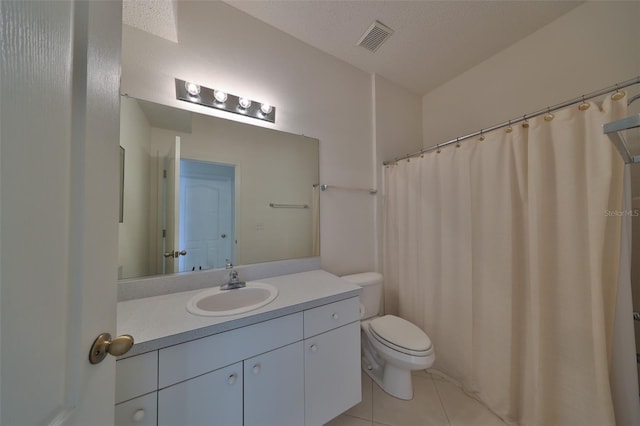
x,y
228,264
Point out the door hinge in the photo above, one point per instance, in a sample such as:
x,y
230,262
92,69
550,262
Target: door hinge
x,y
164,233
164,174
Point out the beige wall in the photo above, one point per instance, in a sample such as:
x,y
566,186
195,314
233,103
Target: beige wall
x,y
589,48
314,93
398,131
133,233
271,167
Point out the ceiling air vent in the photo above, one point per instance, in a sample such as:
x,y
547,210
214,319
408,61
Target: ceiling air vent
x,y
373,38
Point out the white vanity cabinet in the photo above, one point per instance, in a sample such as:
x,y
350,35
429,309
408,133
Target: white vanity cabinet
x,y
274,388
136,384
199,385
298,369
213,399
331,360
264,390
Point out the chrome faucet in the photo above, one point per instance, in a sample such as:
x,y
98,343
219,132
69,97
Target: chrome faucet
x,y
234,280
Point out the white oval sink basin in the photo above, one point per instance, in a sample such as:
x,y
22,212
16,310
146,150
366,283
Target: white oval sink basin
x,y
214,302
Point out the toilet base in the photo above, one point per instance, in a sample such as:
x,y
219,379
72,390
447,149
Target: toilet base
x,y
394,381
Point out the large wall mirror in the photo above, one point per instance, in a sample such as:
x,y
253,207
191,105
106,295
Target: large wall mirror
x,y
199,189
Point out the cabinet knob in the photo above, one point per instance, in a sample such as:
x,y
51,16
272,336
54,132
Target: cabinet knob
x,y
314,348
138,415
232,379
334,315
256,369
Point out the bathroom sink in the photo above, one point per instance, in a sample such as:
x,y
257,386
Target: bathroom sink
x,y
215,302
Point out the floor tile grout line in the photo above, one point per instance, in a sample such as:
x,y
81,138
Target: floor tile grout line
x,y
444,409
371,393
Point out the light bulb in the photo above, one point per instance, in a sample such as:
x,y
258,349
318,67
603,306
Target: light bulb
x,y
244,103
266,109
192,88
220,96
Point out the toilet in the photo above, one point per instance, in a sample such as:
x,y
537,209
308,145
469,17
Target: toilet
x,y
391,346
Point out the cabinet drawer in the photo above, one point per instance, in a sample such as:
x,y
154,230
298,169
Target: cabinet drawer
x,y
141,411
326,317
136,376
190,359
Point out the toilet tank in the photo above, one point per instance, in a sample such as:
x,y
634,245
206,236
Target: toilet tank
x,y
371,296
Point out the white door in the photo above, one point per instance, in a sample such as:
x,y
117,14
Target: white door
x,y
206,229
172,209
59,146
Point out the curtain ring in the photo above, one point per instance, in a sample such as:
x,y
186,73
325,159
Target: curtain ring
x,y
457,142
438,149
481,138
509,129
584,105
618,95
549,116
525,124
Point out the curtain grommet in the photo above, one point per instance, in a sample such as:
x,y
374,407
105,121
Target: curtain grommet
x,y
584,105
618,94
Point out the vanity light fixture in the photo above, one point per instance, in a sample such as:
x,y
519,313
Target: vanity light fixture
x,y
191,92
192,88
266,109
220,96
244,103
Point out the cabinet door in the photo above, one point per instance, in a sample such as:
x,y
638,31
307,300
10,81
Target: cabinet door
x,y
211,399
139,411
274,388
332,373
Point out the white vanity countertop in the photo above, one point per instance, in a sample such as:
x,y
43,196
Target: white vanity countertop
x,y
161,321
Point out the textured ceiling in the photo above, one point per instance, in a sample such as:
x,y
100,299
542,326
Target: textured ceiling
x,y
433,41
157,17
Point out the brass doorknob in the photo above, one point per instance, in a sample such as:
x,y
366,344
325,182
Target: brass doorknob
x,y
104,345
175,254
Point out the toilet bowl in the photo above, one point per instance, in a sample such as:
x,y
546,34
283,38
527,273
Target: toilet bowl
x,y
391,347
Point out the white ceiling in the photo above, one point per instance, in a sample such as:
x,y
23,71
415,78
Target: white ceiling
x,y
433,41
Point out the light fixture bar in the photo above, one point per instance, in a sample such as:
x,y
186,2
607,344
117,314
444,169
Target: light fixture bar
x,y
186,91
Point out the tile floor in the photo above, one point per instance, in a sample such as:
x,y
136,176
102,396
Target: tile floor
x,y
435,402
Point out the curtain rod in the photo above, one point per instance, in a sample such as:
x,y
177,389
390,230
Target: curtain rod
x,y
519,119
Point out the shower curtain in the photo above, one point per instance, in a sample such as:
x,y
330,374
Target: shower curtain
x,y
505,251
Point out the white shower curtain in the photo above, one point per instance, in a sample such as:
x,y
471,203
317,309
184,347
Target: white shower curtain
x,y
506,253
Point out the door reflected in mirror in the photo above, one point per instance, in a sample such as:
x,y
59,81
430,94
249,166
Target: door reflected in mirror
x,y
199,189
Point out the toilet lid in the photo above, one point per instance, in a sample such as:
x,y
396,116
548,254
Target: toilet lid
x,y
401,333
